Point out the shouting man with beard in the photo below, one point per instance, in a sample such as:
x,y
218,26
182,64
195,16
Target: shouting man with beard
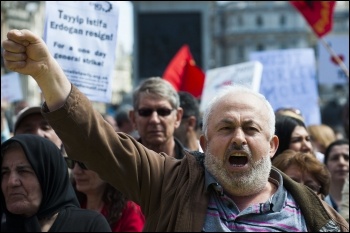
x,y
230,187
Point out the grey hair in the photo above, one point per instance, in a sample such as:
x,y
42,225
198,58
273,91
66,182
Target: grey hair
x,y
237,89
158,87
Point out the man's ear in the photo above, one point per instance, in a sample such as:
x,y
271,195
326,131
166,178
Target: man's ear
x,y
179,114
132,118
203,142
274,142
192,122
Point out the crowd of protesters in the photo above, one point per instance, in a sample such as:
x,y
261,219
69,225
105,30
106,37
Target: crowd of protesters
x,y
160,175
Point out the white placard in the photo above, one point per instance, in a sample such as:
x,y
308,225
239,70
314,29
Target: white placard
x,y
289,80
247,74
329,72
11,89
82,37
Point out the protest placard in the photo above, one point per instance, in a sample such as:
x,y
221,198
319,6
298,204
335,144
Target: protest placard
x,y
329,72
82,37
11,89
247,74
289,80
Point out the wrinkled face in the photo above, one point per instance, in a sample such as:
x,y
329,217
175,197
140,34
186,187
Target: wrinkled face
x,y
88,181
305,178
300,140
36,124
155,129
19,184
338,162
238,148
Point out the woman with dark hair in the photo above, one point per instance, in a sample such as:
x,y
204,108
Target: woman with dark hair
x,y
292,134
36,192
96,194
304,168
336,159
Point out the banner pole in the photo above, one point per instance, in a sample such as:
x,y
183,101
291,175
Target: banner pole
x,y
336,57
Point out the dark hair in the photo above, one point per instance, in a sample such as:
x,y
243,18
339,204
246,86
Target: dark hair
x,y
284,128
122,117
337,142
113,199
190,106
306,162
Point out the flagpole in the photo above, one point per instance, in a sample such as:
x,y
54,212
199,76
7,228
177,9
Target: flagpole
x,y
336,57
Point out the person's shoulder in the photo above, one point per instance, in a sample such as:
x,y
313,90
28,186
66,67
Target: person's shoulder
x,y
79,219
133,206
84,213
197,156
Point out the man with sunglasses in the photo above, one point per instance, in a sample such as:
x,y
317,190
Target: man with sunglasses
x,y
156,115
231,187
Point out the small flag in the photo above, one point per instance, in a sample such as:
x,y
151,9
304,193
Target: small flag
x,y
319,15
183,73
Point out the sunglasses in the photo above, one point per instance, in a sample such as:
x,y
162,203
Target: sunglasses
x,y
71,163
146,112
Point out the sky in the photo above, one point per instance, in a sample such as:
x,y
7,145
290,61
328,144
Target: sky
x,y
125,26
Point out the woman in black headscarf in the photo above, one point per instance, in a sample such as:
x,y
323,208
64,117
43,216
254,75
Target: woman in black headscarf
x,y
36,192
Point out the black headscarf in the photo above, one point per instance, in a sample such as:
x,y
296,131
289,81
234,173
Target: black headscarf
x,y
52,173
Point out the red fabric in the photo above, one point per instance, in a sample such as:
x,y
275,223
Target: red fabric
x,y
132,219
183,73
319,14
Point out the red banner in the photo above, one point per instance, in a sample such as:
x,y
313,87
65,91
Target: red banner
x,y
183,73
318,14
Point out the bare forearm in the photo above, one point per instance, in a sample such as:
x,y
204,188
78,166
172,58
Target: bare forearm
x,y
54,85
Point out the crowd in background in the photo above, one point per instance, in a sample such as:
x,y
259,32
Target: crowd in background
x,y
168,123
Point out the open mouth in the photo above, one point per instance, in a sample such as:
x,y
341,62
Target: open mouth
x,y
238,160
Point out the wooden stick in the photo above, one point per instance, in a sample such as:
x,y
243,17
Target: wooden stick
x,y
336,57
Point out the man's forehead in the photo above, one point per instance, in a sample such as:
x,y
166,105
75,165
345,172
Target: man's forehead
x,y
154,100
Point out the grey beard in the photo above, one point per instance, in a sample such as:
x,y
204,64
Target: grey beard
x,y
243,183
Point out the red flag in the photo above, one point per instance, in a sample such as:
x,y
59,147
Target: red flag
x,y
319,15
183,73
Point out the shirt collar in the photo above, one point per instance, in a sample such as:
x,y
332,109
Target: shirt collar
x,y
275,177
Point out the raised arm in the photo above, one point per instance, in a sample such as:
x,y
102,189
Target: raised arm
x,y
26,53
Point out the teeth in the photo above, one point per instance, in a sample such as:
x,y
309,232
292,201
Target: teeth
x,y
239,155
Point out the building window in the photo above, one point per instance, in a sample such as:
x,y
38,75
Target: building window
x,y
259,21
282,20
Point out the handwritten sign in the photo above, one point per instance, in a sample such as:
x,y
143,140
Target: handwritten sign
x,y
329,72
247,74
11,89
82,37
289,80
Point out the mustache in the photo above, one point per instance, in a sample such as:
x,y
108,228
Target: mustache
x,y
241,148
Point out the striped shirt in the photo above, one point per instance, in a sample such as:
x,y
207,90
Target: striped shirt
x,y
279,213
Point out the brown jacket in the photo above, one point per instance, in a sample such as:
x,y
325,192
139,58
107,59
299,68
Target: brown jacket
x,y
171,192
